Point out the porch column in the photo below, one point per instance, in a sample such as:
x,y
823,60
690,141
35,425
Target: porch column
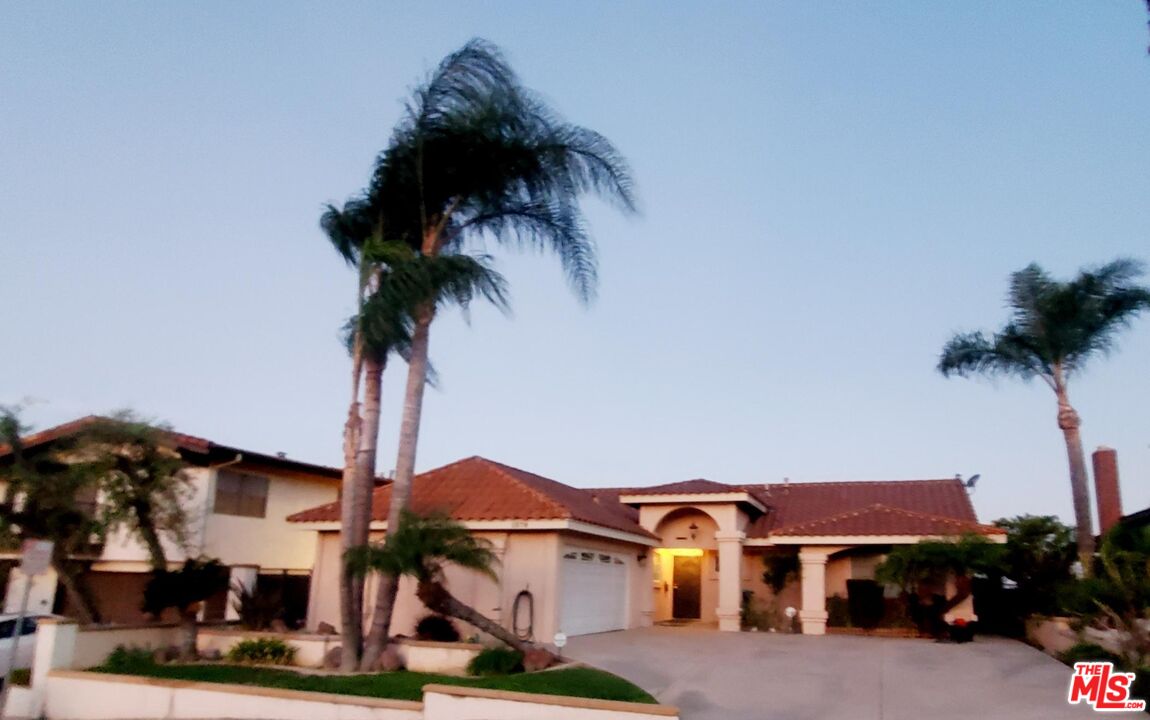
x,y
730,579
813,615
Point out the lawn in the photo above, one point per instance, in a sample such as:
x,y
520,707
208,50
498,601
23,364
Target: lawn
x,y
573,682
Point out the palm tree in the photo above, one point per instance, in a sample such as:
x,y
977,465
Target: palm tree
x,y
393,281
420,547
349,230
1054,329
477,155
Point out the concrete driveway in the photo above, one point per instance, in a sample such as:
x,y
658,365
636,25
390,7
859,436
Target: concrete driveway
x,y
730,676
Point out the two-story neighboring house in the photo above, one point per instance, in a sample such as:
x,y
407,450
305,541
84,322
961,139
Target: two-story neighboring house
x,y
237,512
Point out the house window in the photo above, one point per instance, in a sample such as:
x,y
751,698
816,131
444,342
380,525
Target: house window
x,y
241,494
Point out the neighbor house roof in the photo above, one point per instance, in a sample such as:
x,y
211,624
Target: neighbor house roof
x,y
478,489
197,450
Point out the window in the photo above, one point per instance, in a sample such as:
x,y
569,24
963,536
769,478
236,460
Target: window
x,y
241,494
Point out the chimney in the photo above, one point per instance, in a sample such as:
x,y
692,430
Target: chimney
x,y
1106,487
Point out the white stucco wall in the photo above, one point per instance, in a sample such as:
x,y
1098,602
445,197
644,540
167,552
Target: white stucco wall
x,y
529,561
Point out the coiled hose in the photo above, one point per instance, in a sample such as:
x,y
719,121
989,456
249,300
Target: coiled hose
x,y
527,633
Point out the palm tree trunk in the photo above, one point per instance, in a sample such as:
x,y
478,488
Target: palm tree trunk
x,y
377,639
350,584
439,599
1069,422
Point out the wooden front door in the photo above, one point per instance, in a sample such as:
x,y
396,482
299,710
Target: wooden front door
x,y
685,593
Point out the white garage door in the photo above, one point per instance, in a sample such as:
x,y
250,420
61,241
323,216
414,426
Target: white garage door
x,y
594,592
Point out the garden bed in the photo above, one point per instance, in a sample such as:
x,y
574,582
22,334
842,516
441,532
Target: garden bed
x,y
578,682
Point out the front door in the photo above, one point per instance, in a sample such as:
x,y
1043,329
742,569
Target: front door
x,y
685,596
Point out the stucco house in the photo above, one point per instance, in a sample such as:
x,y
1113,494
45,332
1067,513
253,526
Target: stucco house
x,y
237,512
593,560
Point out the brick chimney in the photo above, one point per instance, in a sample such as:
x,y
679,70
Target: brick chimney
x,y
1106,487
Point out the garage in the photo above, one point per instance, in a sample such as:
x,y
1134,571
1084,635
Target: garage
x,y
594,595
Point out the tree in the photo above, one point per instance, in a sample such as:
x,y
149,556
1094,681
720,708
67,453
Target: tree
x,y
42,501
477,155
1054,329
185,590
420,547
115,472
1038,556
141,481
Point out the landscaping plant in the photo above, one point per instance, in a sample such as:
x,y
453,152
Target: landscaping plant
x,y
436,628
262,651
496,661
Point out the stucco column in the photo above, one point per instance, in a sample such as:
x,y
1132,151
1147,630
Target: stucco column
x,y
813,614
239,576
730,579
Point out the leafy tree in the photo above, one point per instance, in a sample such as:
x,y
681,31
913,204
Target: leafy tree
x,y
931,562
185,590
1054,329
114,472
420,547
477,156
41,501
1038,556
141,480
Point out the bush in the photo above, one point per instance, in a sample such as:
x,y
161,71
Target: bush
x,y
1083,652
129,660
864,603
496,661
22,677
262,651
436,628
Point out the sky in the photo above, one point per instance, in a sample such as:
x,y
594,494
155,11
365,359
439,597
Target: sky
x,y
828,191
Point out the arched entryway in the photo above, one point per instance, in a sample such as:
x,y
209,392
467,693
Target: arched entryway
x,y
685,568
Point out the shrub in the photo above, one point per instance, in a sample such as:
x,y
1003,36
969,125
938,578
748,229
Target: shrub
x,y
437,628
262,651
22,677
129,660
496,661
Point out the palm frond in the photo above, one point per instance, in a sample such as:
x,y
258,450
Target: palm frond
x,y
349,227
421,546
479,154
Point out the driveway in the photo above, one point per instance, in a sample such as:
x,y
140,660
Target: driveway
x,y
730,676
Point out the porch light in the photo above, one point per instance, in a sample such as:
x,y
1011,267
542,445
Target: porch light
x,y
694,530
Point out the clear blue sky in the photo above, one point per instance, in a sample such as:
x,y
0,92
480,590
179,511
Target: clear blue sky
x,y
828,190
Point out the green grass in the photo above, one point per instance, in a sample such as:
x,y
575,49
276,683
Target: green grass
x,y
573,682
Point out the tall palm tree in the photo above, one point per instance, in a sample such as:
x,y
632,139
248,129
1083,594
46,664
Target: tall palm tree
x,y
1054,329
476,156
420,547
393,281
349,229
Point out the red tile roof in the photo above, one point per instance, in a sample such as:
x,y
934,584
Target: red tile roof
x,y
698,486
880,519
200,449
793,507
479,489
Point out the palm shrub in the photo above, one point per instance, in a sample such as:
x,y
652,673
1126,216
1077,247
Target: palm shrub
x,y
420,547
1055,328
